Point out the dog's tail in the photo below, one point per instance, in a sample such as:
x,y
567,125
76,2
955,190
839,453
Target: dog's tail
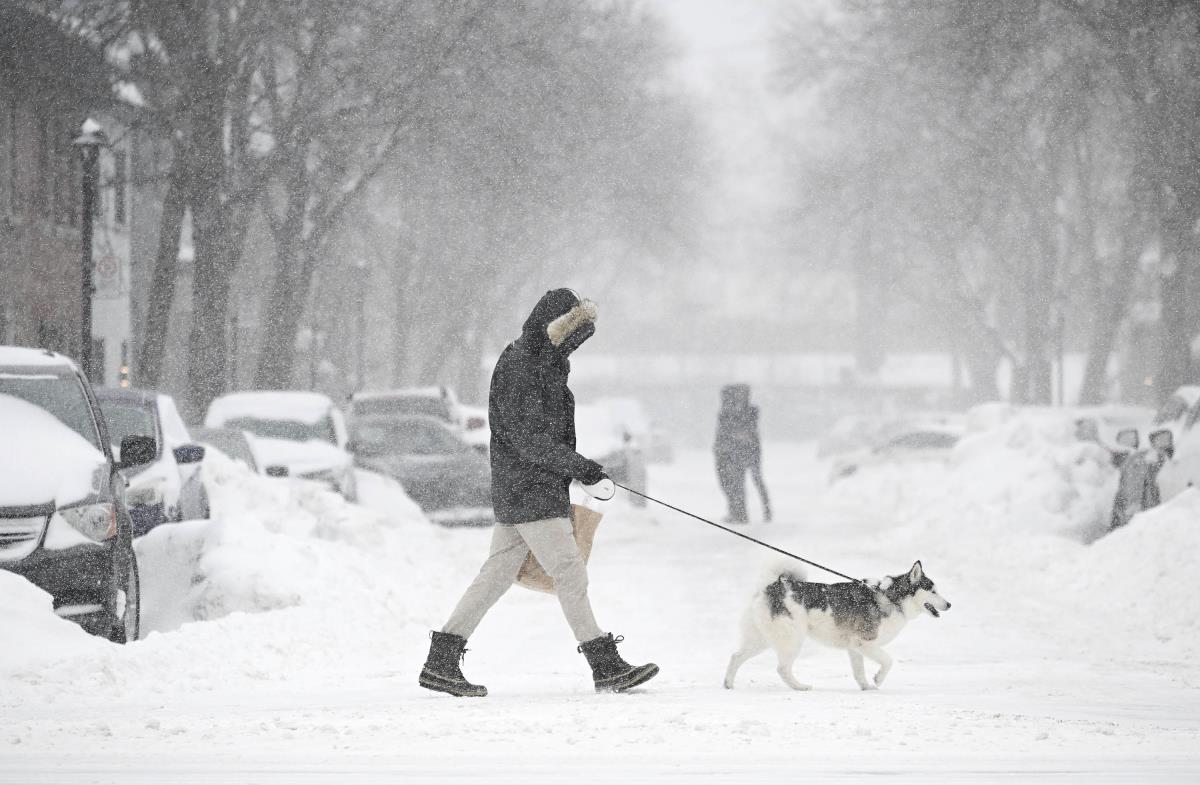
x,y
774,569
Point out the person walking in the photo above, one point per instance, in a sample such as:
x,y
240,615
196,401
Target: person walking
x,y
737,449
532,416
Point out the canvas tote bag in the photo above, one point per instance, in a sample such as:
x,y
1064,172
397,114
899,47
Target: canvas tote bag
x,y
583,524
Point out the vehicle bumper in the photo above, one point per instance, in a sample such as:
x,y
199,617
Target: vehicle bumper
x,y
78,578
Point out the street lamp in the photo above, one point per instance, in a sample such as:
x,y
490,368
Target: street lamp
x,y
91,138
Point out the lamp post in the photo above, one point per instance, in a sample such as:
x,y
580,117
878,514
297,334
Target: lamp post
x,y
90,140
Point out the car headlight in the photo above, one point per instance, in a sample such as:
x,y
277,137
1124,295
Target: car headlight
x,y
95,521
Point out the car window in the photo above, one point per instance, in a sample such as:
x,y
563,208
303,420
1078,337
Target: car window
x,y
129,418
61,394
430,407
405,438
289,430
924,440
1172,410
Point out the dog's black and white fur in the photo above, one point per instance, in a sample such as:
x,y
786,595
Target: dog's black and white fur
x,y
860,618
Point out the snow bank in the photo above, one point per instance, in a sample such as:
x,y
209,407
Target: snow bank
x,y
27,617
1146,572
274,544
286,581
1013,513
1013,473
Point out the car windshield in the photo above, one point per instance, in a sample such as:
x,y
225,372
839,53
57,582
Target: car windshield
x,y
408,404
128,418
61,394
231,443
289,430
924,440
404,437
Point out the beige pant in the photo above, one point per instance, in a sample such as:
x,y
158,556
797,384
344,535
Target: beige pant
x,y
553,545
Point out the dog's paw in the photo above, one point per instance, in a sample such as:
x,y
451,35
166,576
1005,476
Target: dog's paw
x,y
868,687
798,687
879,677
728,685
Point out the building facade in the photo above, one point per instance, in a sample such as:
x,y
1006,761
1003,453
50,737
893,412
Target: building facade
x,y
50,82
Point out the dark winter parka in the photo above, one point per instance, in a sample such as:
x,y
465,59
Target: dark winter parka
x,y
532,413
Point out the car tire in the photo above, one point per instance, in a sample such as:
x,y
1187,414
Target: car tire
x,y
126,600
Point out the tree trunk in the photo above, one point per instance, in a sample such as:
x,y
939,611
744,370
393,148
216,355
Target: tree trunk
x,y
208,343
285,307
1178,325
148,367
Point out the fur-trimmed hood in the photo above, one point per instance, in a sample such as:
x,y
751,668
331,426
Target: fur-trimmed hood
x,y
560,321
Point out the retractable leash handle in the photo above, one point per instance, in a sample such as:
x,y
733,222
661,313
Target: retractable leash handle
x,y
789,554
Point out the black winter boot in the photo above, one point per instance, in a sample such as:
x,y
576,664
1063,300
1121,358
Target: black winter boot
x,y
609,671
442,673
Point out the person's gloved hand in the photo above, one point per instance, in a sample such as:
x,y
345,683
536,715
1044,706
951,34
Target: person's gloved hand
x,y
601,490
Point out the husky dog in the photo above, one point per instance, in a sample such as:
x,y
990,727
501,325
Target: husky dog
x,y
857,617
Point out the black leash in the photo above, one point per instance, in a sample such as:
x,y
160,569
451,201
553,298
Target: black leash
x,y
743,536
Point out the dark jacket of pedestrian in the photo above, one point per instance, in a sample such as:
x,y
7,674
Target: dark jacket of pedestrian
x,y
737,439
532,414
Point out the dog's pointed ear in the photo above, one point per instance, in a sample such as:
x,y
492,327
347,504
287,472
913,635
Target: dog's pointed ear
x,y
916,573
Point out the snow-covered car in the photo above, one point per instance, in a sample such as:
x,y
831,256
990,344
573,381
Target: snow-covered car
x,y
599,435
476,430
429,458
1169,461
64,525
648,437
853,432
912,444
167,488
435,401
295,434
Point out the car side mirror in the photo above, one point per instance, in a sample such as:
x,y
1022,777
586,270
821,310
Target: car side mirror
x,y
189,453
136,451
1128,437
1164,441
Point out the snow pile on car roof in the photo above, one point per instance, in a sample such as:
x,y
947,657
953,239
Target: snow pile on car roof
x,y
43,460
33,635
297,406
273,544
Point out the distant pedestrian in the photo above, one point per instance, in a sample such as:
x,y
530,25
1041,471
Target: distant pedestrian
x,y
532,416
737,449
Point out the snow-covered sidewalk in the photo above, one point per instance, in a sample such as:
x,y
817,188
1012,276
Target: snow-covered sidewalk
x,y
1054,663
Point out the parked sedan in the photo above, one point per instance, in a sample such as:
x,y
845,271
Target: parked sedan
x,y
438,469
296,434
168,488
64,525
912,444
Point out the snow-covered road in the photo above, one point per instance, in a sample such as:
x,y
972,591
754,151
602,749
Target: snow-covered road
x,y
1026,677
